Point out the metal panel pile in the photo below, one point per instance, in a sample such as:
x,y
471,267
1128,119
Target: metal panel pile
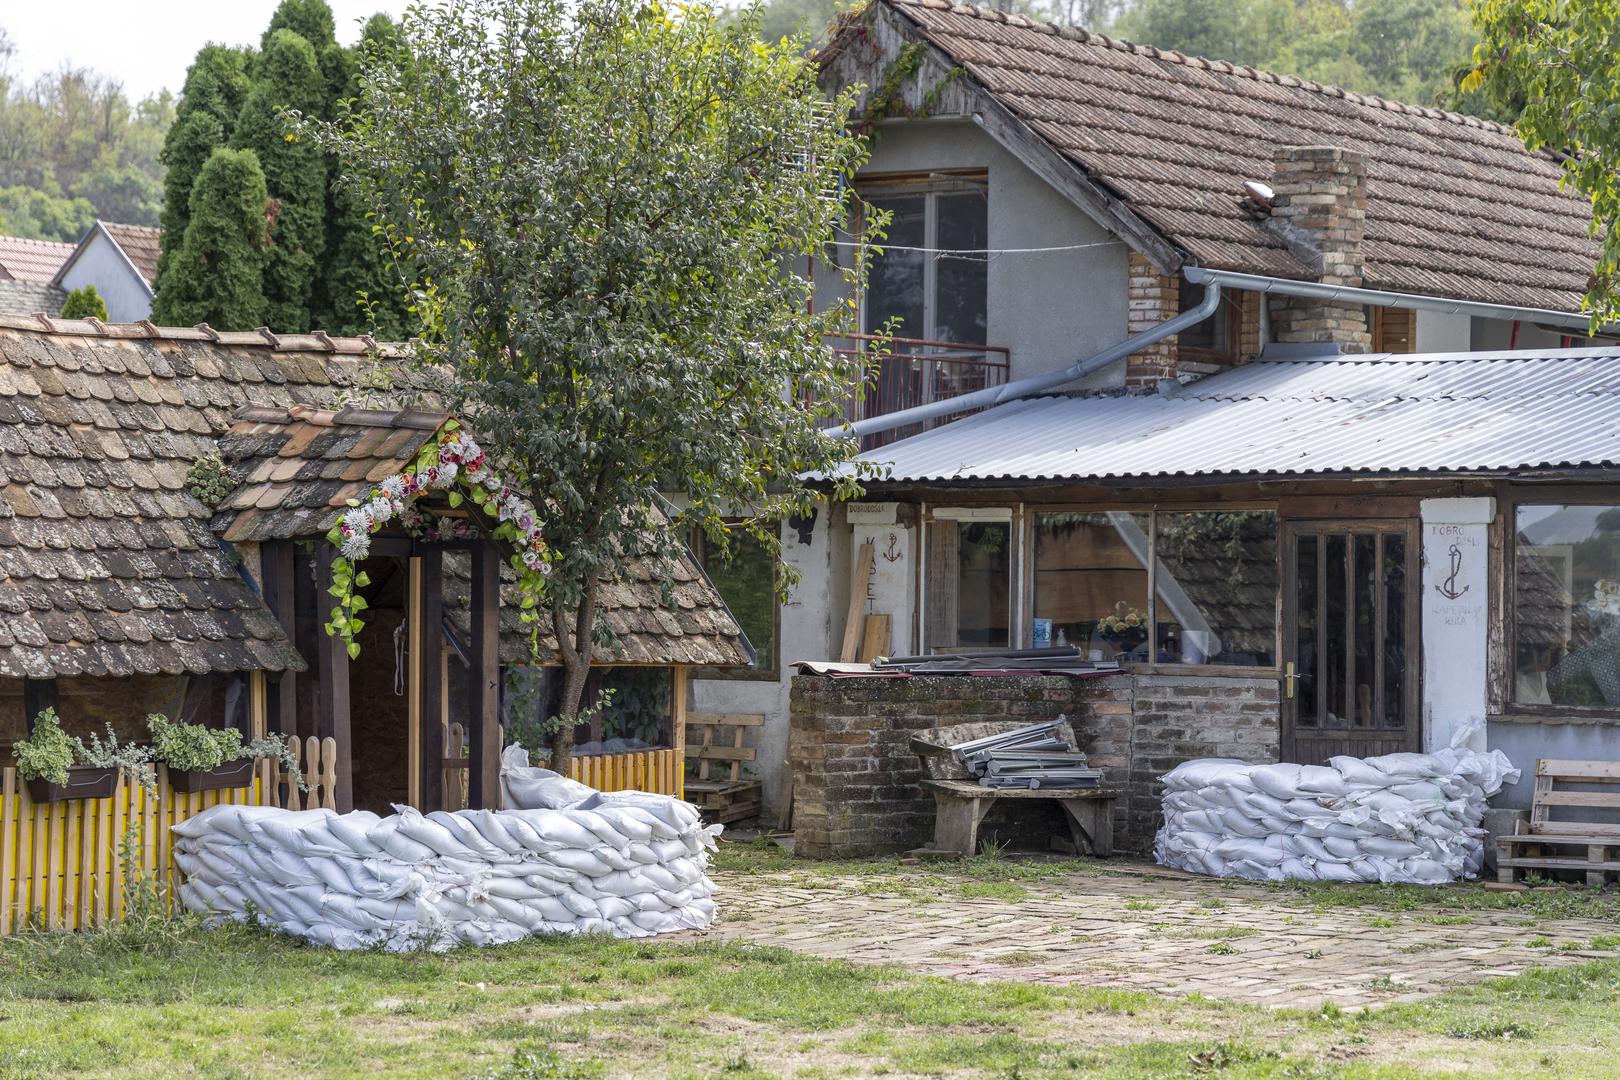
x,y
1030,757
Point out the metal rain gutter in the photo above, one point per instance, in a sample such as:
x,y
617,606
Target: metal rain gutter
x,y
1035,384
1315,290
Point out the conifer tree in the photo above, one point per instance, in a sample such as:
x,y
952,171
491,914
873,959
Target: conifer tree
x,y
83,303
217,274
216,85
295,173
309,19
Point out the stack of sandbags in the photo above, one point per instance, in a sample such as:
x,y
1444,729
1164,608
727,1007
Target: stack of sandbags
x,y
628,863
1401,817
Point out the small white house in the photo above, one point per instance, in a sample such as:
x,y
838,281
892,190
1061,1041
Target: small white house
x,y
121,262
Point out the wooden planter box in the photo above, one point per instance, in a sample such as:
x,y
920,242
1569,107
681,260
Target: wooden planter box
x,y
233,774
84,782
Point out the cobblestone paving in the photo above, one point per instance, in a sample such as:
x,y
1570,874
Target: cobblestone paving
x,y
1171,935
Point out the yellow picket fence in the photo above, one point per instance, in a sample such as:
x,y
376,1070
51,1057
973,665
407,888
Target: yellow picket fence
x,y
658,771
62,864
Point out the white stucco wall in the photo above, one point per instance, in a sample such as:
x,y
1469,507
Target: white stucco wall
x,y
101,264
1049,308
1437,332
1493,334
1455,613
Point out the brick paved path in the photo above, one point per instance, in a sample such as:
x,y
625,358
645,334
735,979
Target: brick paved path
x,y
1172,935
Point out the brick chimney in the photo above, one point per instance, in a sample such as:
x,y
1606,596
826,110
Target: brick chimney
x,y
1319,209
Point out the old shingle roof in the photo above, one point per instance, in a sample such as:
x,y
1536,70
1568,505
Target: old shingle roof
x,y
300,467
700,629
107,564
37,261
30,298
140,243
1456,206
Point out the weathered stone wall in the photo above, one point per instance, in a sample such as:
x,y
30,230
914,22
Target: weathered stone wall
x,y
857,785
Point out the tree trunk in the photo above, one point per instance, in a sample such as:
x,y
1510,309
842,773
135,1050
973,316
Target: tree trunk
x,y
574,646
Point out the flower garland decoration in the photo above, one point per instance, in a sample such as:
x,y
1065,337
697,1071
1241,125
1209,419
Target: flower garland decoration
x,y
454,464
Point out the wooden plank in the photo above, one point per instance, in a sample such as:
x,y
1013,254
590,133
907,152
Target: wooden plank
x,y
121,819
23,868
1570,832
1543,862
54,870
678,695
1562,769
106,850
722,753
484,680
859,584
428,677
1581,798
875,638
8,845
72,855
698,719
333,666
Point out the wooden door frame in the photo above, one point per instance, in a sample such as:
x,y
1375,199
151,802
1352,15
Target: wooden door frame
x,y
1288,536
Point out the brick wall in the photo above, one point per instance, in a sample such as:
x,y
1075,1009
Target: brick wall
x,y
1152,298
857,785
1320,209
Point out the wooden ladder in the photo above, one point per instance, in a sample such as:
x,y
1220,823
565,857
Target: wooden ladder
x,y
1544,842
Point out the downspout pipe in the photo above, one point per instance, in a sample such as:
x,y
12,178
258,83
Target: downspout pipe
x,y
1035,384
1315,290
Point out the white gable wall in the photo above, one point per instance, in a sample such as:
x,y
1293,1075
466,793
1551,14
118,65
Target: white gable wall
x,y
100,263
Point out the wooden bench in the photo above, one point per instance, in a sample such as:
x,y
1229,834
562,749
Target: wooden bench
x,y
1545,843
729,798
960,804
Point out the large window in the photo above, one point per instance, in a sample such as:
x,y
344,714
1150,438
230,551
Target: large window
x,y
1213,576
1566,605
745,575
931,277
969,579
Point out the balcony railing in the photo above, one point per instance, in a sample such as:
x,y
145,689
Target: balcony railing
x,y
906,372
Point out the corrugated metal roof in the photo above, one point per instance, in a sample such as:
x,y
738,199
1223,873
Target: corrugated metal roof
x,y
1381,413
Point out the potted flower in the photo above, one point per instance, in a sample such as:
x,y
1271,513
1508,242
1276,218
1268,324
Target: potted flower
x,y
202,758
1124,630
57,766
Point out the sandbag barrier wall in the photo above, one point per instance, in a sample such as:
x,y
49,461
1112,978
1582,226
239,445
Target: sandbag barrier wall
x,y
858,786
61,864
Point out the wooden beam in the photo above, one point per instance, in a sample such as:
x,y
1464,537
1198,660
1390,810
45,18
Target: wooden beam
x,y
277,567
333,666
859,583
678,692
484,680
427,673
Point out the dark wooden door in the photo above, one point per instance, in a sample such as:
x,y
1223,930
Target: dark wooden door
x,y
1350,639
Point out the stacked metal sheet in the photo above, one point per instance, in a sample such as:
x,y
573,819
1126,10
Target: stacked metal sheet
x,y
1031,757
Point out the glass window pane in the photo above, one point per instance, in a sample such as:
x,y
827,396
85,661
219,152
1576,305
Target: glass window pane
x,y
1091,583
1307,661
1334,625
1395,674
1218,587
1364,548
968,577
746,579
1566,607
960,291
895,288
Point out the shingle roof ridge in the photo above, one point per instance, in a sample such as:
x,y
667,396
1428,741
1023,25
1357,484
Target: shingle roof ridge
x,y
313,341
1154,52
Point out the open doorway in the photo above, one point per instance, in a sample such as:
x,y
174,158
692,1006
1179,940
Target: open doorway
x,y
378,688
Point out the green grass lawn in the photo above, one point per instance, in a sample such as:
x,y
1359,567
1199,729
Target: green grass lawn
x,y
165,999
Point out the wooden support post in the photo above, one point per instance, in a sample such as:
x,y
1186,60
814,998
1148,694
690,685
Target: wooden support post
x,y
333,665
678,722
38,695
484,680
278,567
427,673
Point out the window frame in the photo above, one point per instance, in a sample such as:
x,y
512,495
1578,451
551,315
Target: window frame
x,y
760,672
1510,501
1016,597
930,185
1230,312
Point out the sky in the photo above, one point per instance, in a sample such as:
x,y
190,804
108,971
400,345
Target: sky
x,y
148,44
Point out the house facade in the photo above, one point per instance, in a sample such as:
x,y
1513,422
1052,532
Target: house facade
x,y
121,262
1057,197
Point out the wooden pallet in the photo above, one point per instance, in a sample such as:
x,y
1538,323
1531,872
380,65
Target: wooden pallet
x,y
1543,843
708,741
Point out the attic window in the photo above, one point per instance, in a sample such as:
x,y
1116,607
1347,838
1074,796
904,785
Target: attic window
x,y
933,273
1216,338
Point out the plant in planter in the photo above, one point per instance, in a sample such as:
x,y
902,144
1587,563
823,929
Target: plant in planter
x,y
1125,629
58,766
202,758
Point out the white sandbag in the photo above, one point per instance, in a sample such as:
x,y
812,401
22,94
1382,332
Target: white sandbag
x,y
628,863
528,787
1401,817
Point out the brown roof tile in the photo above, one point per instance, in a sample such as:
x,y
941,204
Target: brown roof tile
x,y
1456,206
35,261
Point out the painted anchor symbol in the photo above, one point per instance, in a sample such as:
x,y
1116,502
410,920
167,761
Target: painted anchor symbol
x,y
1448,588
892,552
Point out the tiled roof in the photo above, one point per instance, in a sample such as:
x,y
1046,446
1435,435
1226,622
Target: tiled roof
x,y
32,260
30,298
1456,206
107,564
140,243
300,467
700,629
1496,412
